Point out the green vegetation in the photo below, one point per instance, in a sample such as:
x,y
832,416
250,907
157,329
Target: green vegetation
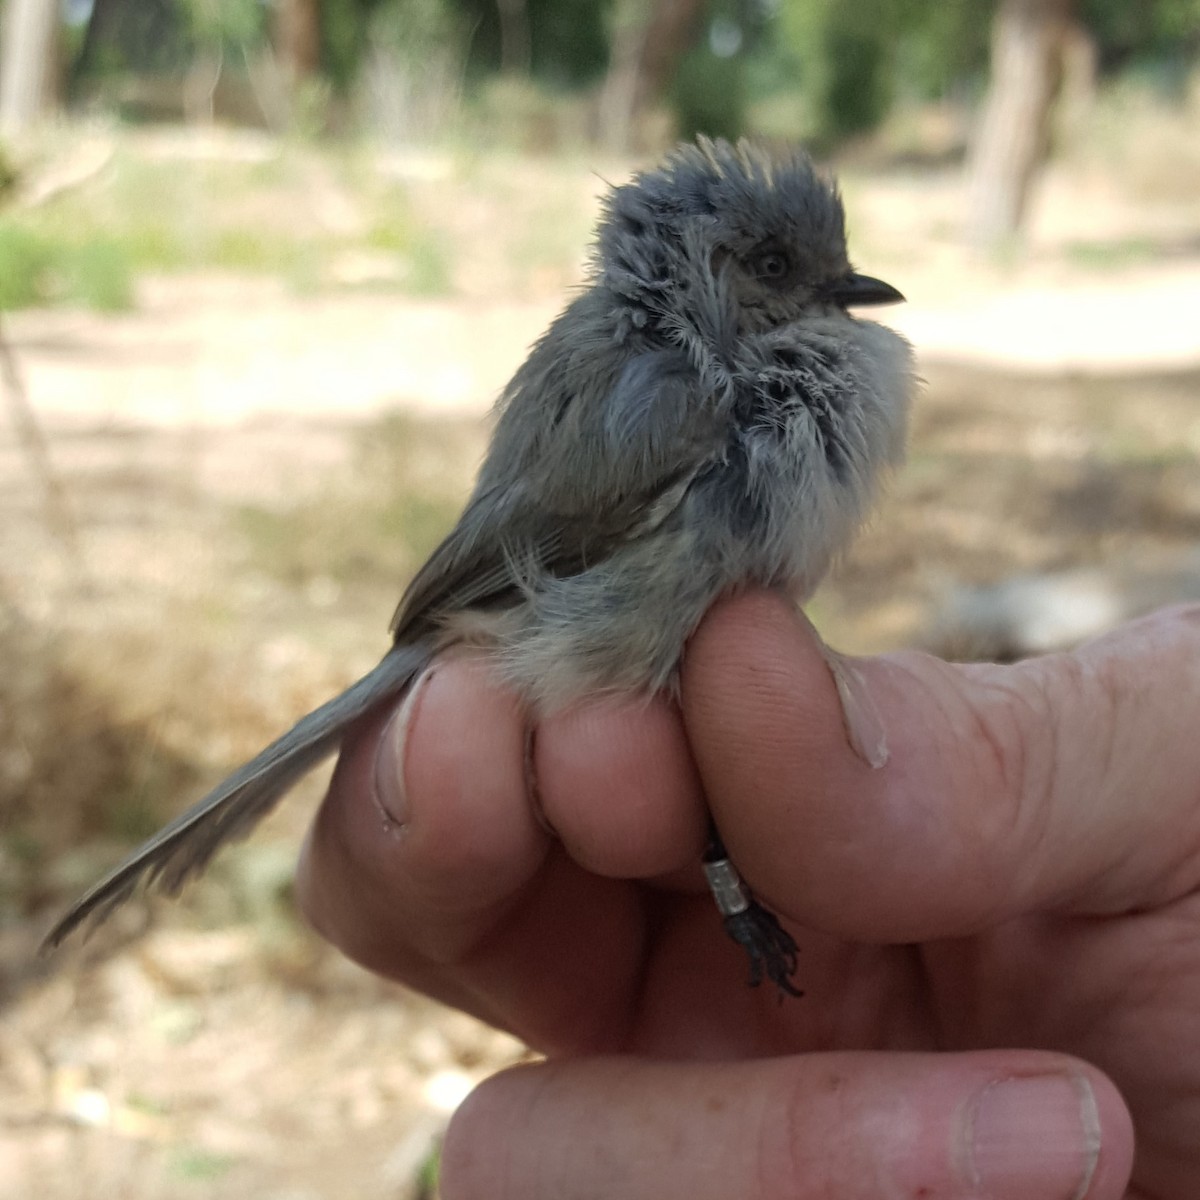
x,y
266,216
9,176
899,79
1108,253
427,267
321,539
405,67
373,522
97,274
198,1165
36,268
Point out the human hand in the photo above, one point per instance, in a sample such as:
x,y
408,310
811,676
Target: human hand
x,y
1015,887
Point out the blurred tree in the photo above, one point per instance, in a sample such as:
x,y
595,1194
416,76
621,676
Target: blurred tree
x,y
412,76
222,26
671,29
846,64
1029,38
647,45
1154,31
940,48
219,29
618,99
826,69
10,177
344,26
710,90
120,37
514,37
296,34
567,39
845,54
29,74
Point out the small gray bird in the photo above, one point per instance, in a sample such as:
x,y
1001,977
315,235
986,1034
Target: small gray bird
x,y
705,415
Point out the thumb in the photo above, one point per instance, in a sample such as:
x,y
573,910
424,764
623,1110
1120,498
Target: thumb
x,y
1066,783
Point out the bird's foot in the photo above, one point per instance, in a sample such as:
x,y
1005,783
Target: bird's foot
x,y
771,949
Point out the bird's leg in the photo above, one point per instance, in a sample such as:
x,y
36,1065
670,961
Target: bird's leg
x,y
771,949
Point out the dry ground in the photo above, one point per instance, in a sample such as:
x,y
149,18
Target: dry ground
x,y
252,475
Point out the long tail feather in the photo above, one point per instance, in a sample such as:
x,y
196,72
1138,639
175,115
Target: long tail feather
x,y
184,847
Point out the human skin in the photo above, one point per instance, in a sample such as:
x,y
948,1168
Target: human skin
x,y
998,930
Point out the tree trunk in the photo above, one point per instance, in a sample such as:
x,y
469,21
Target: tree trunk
x,y
648,41
298,38
515,50
28,62
94,36
627,36
1028,41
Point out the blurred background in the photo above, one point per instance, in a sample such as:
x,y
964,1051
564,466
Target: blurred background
x,y
263,266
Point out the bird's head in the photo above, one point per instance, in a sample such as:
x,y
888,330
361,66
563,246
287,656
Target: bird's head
x,y
732,225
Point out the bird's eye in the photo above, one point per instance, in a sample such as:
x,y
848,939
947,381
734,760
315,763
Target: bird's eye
x,y
771,267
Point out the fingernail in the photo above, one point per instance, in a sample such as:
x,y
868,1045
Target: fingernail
x,y
865,730
391,796
1034,1138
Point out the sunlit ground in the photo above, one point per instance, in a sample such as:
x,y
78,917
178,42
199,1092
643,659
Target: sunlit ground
x,y
263,375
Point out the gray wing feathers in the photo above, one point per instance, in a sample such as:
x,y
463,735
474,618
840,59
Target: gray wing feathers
x,y
183,848
607,457
645,419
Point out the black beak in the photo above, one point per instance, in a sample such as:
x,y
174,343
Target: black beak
x,y
855,290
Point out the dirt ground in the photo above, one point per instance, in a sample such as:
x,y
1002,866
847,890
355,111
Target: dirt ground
x,y
249,476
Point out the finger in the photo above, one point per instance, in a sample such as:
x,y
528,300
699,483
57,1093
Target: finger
x,y
426,863
1065,783
474,846
1009,1125
617,782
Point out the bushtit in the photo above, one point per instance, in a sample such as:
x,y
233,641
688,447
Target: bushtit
x,y
703,416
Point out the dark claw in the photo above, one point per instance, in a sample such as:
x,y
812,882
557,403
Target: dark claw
x,y
771,949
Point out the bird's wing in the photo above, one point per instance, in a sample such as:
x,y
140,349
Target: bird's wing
x,y
612,467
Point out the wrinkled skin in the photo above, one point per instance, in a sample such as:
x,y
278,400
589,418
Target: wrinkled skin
x,y
1012,896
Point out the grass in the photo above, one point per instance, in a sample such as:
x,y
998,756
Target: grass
x,y
25,259
112,732
376,521
197,1165
85,774
323,538
9,175
320,219
98,275
1111,253
296,214
424,262
92,270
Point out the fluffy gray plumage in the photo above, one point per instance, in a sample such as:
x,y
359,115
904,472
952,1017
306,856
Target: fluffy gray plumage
x,y
705,415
